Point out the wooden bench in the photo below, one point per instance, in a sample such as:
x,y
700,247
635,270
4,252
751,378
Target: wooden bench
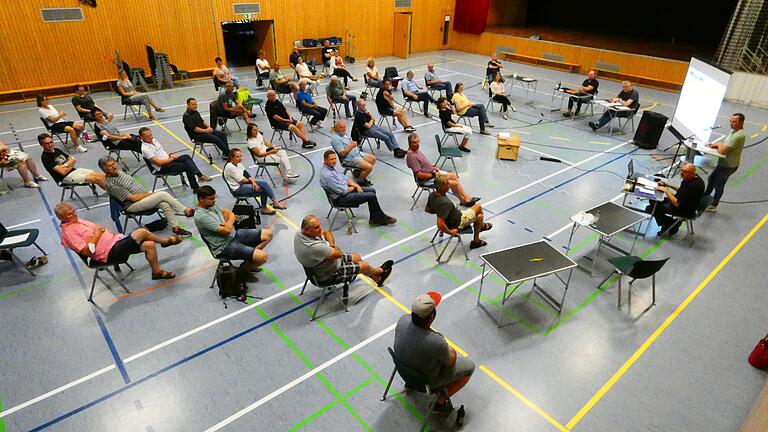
x,y
637,79
757,420
540,61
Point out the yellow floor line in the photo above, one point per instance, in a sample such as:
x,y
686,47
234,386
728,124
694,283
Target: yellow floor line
x,y
653,105
754,135
559,138
524,399
599,142
186,145
640,351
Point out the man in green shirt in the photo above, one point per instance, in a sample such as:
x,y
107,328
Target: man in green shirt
x,y
731,148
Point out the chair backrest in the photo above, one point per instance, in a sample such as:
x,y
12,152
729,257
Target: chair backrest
x,y
312,277
3,231
390,72
208,245
214,109
152,169
704,203
328,197
45,123
175,69
413,380
439,146
646,268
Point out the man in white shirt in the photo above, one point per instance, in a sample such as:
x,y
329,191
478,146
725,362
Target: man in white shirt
x,y
262,68
169,163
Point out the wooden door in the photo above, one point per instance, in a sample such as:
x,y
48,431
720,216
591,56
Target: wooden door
x,y
401,41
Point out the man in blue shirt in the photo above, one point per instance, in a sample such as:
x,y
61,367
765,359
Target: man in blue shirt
x,y
307,105
412,91
345,192
351,155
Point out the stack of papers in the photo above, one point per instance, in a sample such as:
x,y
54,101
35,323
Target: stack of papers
x,y
583,218
646,182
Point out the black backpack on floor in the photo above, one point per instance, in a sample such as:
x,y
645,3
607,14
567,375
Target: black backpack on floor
x,y
230,281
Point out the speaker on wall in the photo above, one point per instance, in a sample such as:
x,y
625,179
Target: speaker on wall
x,y
649,130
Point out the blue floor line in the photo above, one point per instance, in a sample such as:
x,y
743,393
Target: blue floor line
x,y
191,357
102,326
277,317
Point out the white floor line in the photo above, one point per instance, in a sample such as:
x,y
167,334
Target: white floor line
x,y
323,366
23,223
293,288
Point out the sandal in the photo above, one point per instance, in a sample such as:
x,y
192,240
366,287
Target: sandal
x,y
172,240
279,206
486,226
264,211
163,275
479,244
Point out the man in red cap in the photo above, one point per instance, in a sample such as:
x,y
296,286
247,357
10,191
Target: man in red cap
x,y
427,352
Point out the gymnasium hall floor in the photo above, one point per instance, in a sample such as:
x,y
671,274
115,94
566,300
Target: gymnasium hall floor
x,y
172,357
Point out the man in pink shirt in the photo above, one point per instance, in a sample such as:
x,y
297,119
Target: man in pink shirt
x,y
424,170
94,241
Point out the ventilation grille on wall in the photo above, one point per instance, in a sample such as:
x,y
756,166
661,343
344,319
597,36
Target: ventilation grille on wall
x,y
402,4
58,15
247,8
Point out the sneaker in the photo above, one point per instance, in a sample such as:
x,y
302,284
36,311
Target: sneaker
x,y
356,173
399,153
292,175
288,181
203,179
712,209
41,178
308,145
504,116
386,220
488,124
181,231
81,149
464,149
484,132
31,185
593,125
410,129
365,183
567,114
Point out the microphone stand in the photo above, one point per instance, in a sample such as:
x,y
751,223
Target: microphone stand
x,y
677,153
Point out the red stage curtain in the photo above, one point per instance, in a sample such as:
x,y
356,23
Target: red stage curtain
x,y
471,16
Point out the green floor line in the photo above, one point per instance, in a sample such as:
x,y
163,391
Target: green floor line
x,y
331,389
749,173
599,290
330,406
345,346
31,287
2,420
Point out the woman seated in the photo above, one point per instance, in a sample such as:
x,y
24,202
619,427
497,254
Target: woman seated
x,y
305,75
243,185
266,152
222,75
55,122
128,91
14,159
497,92
339,69
372,73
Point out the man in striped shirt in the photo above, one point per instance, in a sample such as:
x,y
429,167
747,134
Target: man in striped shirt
x,y
126,190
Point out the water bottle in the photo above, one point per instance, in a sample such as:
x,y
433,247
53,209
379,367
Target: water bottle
x,y
86,137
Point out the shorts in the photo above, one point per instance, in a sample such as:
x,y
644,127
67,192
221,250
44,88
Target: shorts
x,y
77,176
283,125
357,163
389,111
348,270
284,88
463,367
468,216
242,246
460,129
59,127
124,248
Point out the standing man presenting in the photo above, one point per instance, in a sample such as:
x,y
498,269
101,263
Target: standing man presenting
x,y
731,147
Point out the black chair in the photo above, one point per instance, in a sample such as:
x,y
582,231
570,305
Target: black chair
x,y
262,165
704,203
281,93
326,288
421,187
98,267
347,167
408,105
219,117
64,142
221,262
179,74
134,216
434,91
136,75
446,134
466,231
244,200
339,208
9,244
371,90
415,382
446,154
382,120
279,132
304,116
198,148
361,139
73,193
636,268
164,177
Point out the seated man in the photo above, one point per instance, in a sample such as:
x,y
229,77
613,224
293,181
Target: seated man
x,y
232,108
222,75
200,131
327,52
351,155
424,170
281,83
112,137
366,126
265,152
345,192
428,353
55,122
85,105
243,185
336,93
385,103
293,60
465,108
588,87
217,227
262,68
435,83
412,91
494,66
452,221
628,97
316,249
169,163
683,203
279,118
134,199
95,242
307,105
61,166
452,126
306,75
